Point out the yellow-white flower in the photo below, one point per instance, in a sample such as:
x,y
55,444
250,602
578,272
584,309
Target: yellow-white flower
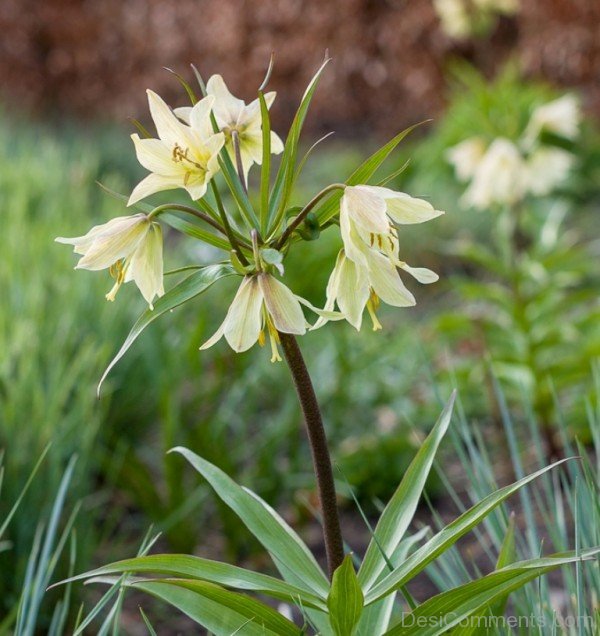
x,y
183,156
366,216
547,168
261,301
561,117
354,286
465,157
130,247
454,18
500,177
232,114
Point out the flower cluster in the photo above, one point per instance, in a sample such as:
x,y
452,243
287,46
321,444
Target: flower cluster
x,y
220,134
504,172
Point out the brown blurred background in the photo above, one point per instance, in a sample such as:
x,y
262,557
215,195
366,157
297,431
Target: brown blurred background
x,y
94,58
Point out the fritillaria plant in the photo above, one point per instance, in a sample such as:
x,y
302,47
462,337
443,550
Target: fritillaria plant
x,y
207,148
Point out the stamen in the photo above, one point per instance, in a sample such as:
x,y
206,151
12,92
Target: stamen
x,y
372,306
273,339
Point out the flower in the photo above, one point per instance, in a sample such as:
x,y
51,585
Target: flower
x,y
560,117
130,247
183,156
260,300
466,156
366,215
547,168
500,177
454,18
353,287
232,114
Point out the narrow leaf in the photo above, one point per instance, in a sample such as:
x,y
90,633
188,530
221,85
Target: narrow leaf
x,y
187,289
220,611
400,510
290,555
447,537
345,600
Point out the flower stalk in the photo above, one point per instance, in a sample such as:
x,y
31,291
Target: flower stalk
x,y
334,545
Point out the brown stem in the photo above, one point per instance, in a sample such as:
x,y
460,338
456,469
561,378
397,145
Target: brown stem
x,y
334,546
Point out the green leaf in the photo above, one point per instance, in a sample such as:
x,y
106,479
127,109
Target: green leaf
x,y
193,567
400,510
442,612
447,537
361,175
290,555
376,618
285,175
345,600
505,558
220,611
265,169
187,289
195,231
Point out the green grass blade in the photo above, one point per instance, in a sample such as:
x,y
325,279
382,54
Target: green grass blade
x,y
265,169
447,537
220,611
187,289
291,556
193,230
400,510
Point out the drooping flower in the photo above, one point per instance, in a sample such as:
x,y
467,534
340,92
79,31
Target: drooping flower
x,y
261,301
130,247
500,177
547,168
183,156
466,156
355,287
232,114
561,117
367,214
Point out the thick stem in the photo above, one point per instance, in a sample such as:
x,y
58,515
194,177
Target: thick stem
x,y
334,546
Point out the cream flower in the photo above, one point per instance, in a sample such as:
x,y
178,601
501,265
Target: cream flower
x,y
183,156
500,177
261,301
465,157
353,287
548,168
454,18
130,247
366,216
561,117
232,114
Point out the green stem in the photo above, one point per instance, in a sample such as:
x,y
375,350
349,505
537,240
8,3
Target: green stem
x,y
334,546
305,211
226,225
187,210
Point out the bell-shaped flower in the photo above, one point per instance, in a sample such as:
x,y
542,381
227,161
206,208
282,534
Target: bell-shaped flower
x,y
561,117
130,247
261,302
232,114
500,178
465,157
548,168
367,214
183,156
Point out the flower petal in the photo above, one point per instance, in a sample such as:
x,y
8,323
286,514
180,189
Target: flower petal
x,y
154,155
422,274
169,128
227,108
199,117
386,282
353,291
154,183
366,208
146,267
282,305
244,321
